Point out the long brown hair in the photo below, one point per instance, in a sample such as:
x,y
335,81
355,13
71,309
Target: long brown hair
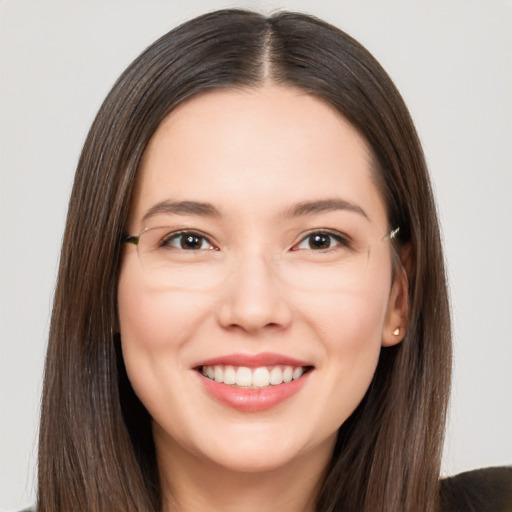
x,y
96,450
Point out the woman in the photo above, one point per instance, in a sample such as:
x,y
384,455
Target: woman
x,y
251,308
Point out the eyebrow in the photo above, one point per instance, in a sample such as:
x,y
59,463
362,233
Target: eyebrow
x,y
182,208
202,209
325,205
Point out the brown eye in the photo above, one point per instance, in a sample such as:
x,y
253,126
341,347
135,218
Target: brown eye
x,y
190,242
187,241
319,241
322,241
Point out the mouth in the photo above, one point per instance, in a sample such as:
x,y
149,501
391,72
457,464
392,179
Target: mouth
x,y
253,383
253,378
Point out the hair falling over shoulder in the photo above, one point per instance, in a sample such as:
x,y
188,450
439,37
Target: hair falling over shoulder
x,y
96,451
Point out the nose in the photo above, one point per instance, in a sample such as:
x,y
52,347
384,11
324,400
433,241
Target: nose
x,y
254,299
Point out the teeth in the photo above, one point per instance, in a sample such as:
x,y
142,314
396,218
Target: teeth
x,y
244,377
297,373
218,374
252,377
276,376
260,378
229,375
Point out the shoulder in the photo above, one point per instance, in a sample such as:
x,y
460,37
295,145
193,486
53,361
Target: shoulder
x,y
481,490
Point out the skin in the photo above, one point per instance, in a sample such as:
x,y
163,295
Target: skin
x,y
253,154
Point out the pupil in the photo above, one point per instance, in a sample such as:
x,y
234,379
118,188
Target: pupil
x,y
191,242
320,242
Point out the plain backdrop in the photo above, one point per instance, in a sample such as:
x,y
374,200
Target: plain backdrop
x,y
450,59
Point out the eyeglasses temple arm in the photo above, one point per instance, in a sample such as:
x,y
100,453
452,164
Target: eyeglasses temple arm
x,y
132,239
392,234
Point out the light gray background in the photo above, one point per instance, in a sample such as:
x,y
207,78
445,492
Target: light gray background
x,y
450,59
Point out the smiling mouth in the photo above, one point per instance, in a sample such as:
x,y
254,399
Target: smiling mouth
x,y
253,378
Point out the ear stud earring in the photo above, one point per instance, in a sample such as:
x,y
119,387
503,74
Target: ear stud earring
x,y
396,332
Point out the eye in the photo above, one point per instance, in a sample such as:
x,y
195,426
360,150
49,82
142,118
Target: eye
x,y
321,241
187,240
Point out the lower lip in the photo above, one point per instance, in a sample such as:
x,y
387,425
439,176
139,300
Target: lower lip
x,y
253,400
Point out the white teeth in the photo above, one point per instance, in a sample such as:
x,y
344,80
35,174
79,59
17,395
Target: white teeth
x,y
276,376
297,373
218,374
244,377
252,377
229,375
260,377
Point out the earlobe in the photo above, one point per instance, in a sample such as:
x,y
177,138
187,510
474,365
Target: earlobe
x,y
395,324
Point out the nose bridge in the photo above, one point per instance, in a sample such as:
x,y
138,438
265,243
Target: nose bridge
x,y
253,297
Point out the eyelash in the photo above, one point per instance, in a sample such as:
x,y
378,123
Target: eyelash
x,y
166,241
339,238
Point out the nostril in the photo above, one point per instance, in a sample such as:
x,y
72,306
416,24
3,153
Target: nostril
x,y
253,314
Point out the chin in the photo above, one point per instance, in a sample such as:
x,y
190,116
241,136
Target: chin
x,y
265,448
256,460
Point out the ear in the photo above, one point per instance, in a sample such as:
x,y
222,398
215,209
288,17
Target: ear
x,y
397,314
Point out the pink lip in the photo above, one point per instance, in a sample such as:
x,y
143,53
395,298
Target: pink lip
x,y
253,360
252,400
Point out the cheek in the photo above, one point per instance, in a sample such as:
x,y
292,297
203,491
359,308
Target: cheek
x,y
352,341
152,320
352,318
349,327
348,321
155,330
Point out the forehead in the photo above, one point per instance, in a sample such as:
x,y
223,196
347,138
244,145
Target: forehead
x,y
263,148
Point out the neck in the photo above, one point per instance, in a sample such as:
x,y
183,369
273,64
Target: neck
x,y
193,484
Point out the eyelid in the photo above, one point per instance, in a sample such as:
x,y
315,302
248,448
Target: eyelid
x,y
172,235
341,238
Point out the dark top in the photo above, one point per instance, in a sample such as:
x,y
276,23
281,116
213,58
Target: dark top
x,y
481,490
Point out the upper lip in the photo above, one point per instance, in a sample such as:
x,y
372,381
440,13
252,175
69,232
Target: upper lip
x,y
253,360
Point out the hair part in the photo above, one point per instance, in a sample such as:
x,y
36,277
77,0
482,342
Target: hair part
x,y
96,449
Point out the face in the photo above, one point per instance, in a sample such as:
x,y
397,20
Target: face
x,y
254,308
